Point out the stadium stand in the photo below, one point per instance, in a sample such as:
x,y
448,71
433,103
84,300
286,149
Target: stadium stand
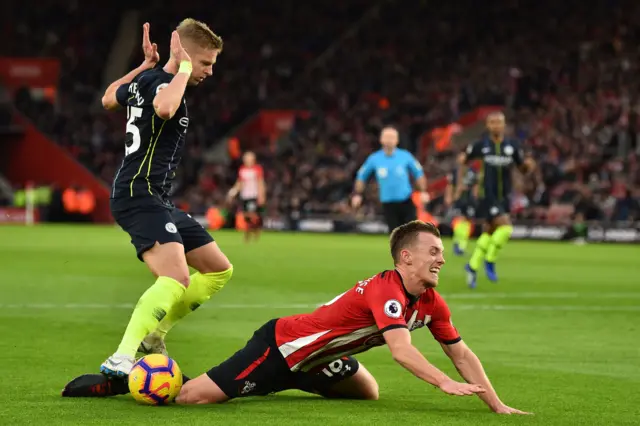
x,y
255,65
582,98
565,72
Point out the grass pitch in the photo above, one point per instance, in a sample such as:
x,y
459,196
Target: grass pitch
x,y
559,335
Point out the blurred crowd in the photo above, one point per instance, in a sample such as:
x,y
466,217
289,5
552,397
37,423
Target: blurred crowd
x,y
563,71
565,74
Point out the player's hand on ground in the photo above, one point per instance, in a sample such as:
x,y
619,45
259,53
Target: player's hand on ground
x,y
452,387
505,409
151,55
356,201
177,51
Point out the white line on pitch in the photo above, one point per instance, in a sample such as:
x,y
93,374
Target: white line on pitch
x,y
484,307
542,295
594,308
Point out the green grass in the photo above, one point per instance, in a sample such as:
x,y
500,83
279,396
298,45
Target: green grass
x,y
559,335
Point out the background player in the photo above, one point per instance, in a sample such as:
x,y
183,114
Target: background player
x,y
165,238
313,351
463,209
392,166
251,188
497,155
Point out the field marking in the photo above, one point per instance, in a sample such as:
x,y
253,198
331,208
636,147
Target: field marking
x,y
542,295
484,307
569,308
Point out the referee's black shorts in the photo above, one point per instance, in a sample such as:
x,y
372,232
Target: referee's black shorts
x,y
399,213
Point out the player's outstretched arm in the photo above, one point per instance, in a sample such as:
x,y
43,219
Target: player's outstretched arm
x,y
462,170
167,101
407,355
361,181
421,183
470,368
448,194
151,58
528,166
262,192
235,189
415,168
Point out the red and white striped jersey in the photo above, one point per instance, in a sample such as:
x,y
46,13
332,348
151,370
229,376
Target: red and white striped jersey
x,y
250,177
354,321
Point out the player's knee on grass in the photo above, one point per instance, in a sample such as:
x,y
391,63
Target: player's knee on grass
x,y
201,390
208,258
168,260
361,385
345,378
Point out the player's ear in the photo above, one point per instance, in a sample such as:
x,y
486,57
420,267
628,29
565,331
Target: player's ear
x,y
406,256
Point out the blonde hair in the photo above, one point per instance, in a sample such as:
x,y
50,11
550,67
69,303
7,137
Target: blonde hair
x,y
496,114
200,33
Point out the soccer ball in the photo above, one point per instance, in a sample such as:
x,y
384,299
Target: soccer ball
x,y
155,380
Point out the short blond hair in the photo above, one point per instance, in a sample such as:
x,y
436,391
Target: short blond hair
x,y
200,33
496,114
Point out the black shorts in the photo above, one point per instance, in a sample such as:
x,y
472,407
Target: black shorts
x,y
488,208
465,208
250,205
148,221
396,214
252,213
259,369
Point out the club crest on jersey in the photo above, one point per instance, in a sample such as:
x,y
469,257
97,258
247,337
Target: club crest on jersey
x,y
508,150
382,172
393,309
170,227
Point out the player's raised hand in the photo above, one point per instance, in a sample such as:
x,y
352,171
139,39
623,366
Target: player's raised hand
x,y
505,409
151,55
177,51
452,387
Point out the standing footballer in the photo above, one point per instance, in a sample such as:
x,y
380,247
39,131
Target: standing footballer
x,y
497,155
250,186
165,238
